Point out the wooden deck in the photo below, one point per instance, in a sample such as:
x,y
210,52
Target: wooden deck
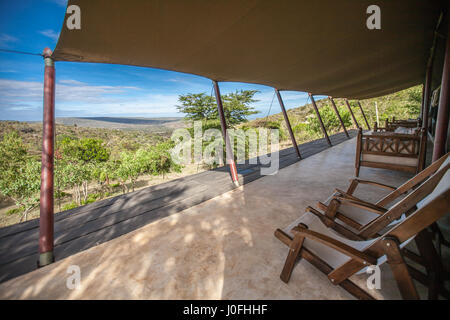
x,y
87,226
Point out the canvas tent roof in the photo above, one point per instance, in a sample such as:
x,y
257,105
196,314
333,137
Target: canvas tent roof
x,y
318,46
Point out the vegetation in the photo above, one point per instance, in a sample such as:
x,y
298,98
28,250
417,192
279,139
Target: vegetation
x,y
87,168
305,125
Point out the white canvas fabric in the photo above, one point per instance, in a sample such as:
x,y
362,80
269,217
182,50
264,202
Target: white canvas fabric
x,y
331,256
323,46
441,187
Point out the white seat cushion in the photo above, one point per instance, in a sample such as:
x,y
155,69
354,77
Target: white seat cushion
x,y
331,256
404,130
404,161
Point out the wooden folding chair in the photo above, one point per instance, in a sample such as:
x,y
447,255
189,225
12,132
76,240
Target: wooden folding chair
x,y
340,257
391,126
390,150
344,209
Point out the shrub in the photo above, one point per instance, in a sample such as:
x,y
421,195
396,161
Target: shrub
x,y
71,205
14,211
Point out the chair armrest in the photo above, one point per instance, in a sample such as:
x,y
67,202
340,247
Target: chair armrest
x,y
335,244
355,182
361,204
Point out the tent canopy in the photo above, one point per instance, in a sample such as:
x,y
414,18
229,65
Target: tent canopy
x,y
320,46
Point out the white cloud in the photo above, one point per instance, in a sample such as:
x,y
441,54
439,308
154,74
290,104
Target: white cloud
x,y
6,40
49,34
75,98
62,3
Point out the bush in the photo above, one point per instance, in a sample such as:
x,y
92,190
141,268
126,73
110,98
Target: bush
x,y
71,205
14,211
91,198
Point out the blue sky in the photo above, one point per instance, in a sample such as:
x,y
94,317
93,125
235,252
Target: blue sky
x,y
90,89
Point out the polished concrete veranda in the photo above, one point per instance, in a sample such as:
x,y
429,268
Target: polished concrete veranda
x,y
223,248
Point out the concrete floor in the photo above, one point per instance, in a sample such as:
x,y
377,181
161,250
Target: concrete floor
x,y
223,248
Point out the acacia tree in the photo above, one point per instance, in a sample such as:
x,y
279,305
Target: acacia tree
x,y
78,159
161,161
131,166
237,106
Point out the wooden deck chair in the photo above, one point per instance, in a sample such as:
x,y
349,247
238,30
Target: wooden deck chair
x,y
390,150
348,215
339,257
391,126
342,208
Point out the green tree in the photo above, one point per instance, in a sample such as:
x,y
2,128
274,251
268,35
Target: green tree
x,y
131,166
19,173
161,161
237,106
198,106
86,149
77,159
24,186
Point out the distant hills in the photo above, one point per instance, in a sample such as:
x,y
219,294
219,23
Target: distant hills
x,y
127,123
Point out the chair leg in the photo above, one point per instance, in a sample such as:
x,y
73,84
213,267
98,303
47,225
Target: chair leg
x,y
399,269
294,251
440,237
433,263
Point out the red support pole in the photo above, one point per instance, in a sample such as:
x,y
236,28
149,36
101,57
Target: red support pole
x,y
428,79
339,116
322,126
426,97
46,199
288,124
444,104
364,115
223,124
351,113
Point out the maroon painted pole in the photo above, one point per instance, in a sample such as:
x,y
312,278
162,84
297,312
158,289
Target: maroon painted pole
x,y
364,115
351,113
322,126
46,200
288,124
426,97
223,124
339,116
428,79
440,136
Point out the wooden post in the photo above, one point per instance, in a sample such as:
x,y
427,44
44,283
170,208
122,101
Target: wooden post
x,y
288,124
322,126
440,137
364,115
428,78
426,97
223,124
339,116
46,223
351,113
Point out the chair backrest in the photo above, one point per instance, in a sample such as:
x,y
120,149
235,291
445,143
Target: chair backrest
x,y
443,185
437,183
416,180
